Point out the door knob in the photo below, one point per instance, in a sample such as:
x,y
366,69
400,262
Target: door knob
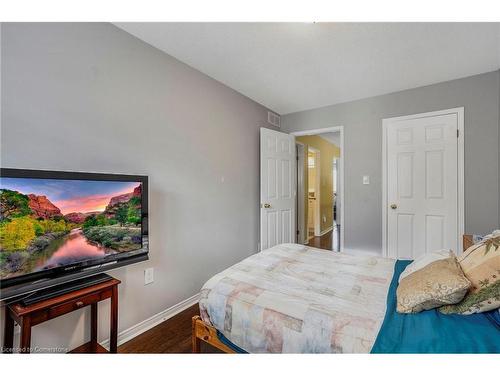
x,y
394,206
266,205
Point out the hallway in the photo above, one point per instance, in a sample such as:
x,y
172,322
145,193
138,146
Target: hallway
x,y
328,241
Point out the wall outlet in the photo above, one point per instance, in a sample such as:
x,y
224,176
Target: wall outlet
x,y
149,276
366,180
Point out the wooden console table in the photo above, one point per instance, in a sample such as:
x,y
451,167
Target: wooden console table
x,y
31,315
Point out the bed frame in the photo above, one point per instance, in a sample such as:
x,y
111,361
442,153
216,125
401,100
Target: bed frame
x,y
205,332
467,241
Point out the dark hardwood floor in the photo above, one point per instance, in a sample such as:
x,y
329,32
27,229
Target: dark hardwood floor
x,y
171,336
328,241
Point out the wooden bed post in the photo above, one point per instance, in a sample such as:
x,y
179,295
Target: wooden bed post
x,y
467,241
195,339
205,332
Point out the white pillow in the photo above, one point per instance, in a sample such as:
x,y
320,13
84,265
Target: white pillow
x,y
476,238
424,260
495,233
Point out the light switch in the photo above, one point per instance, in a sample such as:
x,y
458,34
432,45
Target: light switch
x,y
148,276
366,180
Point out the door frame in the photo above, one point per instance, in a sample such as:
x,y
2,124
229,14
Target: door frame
x,y
459,111
300,192
341,169
317,191
336,166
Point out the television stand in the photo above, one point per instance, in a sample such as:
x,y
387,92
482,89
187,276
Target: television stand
x,y
64,288
61,300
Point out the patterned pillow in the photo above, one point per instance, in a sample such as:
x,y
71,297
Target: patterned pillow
x,y
423,260
441,282
481,265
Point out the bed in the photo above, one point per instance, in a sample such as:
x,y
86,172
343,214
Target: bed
x,y
298,299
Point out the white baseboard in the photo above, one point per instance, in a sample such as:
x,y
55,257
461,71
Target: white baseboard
x,y
326,231
136,330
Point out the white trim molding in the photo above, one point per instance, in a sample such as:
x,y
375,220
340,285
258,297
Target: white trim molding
x,y
302,230
459,111
341,171
137,329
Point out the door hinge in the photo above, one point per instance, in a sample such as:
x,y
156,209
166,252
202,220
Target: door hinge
x,y
298,231
458,133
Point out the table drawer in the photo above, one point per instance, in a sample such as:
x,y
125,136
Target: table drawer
x,y
74,304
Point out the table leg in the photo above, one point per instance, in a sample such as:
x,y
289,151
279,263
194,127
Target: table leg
x,y
113,336
8,333
93,324
26,335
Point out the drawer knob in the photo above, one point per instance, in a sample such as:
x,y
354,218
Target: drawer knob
x,y
79,304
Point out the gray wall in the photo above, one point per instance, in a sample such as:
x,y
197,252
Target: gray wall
x,y
362,121
90,97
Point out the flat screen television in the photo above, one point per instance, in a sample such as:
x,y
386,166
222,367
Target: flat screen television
x,y
56,227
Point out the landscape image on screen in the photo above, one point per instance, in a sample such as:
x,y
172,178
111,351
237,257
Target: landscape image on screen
x,y
47,223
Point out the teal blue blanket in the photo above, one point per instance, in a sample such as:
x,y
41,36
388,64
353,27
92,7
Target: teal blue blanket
x,y
433,332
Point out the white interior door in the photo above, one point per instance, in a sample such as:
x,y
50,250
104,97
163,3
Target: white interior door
x,y
422,188
277,188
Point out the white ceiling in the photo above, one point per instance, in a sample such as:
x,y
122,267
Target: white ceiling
x,y
290,67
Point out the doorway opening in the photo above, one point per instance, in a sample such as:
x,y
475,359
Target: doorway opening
x,y
319,188
313,192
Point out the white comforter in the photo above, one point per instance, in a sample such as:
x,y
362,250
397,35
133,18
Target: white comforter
x,y
298,299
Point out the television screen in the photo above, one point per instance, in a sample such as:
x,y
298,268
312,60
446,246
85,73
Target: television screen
x,y
49,223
